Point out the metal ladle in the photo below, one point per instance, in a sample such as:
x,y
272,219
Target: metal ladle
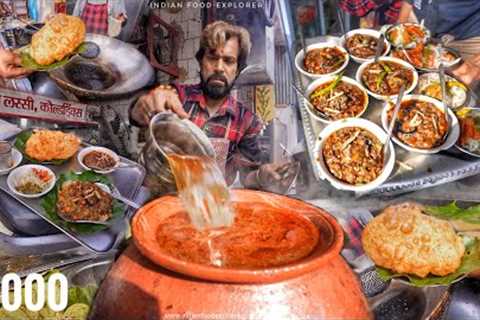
x,y
117,195
322,114
441,73
386,145
380,44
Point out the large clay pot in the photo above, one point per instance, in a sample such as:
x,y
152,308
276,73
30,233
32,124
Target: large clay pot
x,y
320,286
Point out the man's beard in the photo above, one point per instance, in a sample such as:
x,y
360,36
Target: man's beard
x,y
215,91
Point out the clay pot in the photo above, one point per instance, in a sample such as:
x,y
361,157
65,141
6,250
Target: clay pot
x,y
320,286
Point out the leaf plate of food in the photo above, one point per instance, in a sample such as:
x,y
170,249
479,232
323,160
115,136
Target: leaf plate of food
x,y
419,245
53,46
42,146
76,198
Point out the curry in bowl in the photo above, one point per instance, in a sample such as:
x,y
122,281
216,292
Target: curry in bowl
x,y
386,77
420,124
363,46
339,98
353,155
324,60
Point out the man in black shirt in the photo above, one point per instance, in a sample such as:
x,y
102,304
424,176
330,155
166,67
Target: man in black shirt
x,y
456,23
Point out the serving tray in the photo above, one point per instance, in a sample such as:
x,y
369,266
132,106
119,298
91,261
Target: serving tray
x,y
412,171
128,180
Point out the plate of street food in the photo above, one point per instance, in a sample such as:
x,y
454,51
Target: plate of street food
x,y
361,44
43,146
336,97
77,202
427,57
322,60
54,44
422,125
31,181
350,155
469,141
457,92
407,35
383,79
419,245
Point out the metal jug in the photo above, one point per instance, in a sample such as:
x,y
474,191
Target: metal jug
x,y
167,134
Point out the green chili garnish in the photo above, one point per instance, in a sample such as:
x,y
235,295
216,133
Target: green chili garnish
x,y
380,78
328,88
386,68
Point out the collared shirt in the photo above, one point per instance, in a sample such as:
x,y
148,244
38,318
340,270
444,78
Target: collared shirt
x,y
459,18
359,8
232,121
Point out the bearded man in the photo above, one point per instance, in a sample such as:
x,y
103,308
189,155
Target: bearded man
x,y
231,127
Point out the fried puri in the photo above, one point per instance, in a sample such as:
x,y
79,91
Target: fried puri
x,y
405,240
58,38
48,145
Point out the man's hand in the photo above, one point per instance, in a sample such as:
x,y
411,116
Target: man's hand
x,y
10,65
268,175
468,72
277,177
161,99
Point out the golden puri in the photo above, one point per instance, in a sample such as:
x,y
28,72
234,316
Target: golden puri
x,y
48,145
58,38
405,240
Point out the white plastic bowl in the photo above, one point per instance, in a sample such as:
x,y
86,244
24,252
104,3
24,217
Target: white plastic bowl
x,y
448,143
16,174
87,150
300,55
364,124
364,65
315,84
369,32
17,158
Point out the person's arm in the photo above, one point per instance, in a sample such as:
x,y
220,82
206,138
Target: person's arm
x,y
160,99
405,12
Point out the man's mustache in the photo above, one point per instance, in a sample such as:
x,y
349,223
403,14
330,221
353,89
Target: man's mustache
x,y
219,77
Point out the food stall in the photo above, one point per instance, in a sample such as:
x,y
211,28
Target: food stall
x,y
87,197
